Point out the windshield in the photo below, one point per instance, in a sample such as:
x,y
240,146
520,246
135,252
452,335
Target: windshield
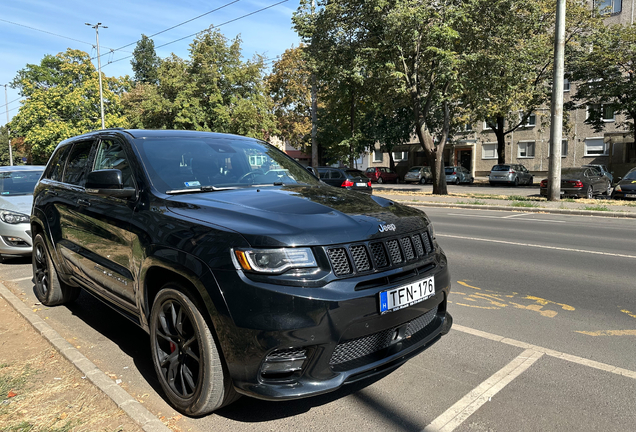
x,y
194,163
630,175
18,182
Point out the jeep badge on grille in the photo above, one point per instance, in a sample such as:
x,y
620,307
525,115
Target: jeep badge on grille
x,y
388,227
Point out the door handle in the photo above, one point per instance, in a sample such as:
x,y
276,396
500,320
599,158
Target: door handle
x,y
83,202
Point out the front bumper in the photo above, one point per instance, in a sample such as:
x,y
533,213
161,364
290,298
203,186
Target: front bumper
x,y
15,240
624,194
337,332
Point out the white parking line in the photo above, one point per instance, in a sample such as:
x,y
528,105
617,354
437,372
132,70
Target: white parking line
x,y
593,252
466,406
21,279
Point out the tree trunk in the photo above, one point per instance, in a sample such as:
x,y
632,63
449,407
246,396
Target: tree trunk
x,y
501,141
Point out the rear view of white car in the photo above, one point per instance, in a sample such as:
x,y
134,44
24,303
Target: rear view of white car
x,y
16,200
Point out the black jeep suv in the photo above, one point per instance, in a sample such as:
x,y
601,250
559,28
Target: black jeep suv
x,y
251,276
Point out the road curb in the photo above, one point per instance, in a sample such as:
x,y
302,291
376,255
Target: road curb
x,y
132,407
574,212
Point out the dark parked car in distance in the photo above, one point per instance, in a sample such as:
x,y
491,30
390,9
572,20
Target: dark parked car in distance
x,y
514,174
251,276
626,186
457,175
419,174
347,178
382,175
603,170
580,182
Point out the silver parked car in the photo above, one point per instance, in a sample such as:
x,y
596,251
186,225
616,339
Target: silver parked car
x,y
457,175
419,174
16,200
512,174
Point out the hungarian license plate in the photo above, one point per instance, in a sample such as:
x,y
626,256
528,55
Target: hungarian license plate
x,y
630,195
407,295
361,184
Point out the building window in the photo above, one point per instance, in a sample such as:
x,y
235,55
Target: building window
x,y
487,126
564,148
595,147
489,151
526,149
566,85
400,156
605,112
531,121
377,156
606,7
467,127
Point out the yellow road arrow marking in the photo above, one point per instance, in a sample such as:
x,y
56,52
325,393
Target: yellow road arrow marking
x,y
609,333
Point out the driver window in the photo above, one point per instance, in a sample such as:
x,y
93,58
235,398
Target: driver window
x,y
111,155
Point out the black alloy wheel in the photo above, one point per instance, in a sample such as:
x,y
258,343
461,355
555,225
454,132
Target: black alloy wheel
x,y
49,290
380,181
457,180
423,180
589,194
608,191
516,181
185,355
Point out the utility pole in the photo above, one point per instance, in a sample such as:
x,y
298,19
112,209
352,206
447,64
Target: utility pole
x,y
314,110
556,109
99,69
6,105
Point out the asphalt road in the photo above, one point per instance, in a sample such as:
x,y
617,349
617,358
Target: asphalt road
x,y
544,338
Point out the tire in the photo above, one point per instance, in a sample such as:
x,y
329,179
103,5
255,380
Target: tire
x,y
516,181
49,290
472,180
456,180
589,194
423,181
397,181
531,181
608,191
185,356
380,181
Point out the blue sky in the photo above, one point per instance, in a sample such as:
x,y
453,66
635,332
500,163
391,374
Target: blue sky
x,y
30,29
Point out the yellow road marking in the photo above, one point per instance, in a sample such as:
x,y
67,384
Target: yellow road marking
x,y
495,300
609,333
629,313
469,286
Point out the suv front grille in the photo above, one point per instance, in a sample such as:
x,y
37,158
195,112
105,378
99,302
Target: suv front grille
x,y
379,255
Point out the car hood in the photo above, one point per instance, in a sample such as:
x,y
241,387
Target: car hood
x,y
309,216
627,185
17,203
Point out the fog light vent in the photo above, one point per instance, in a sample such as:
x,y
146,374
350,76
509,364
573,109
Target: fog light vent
x,y
15,241
282,364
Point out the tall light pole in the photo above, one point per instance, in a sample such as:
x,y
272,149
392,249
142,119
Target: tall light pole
x,y
556,126
99,69
6,104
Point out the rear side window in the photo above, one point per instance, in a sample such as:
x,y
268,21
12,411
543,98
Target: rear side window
x,y
77,165
56,166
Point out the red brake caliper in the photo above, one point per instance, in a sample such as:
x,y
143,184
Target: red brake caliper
x,y
173,347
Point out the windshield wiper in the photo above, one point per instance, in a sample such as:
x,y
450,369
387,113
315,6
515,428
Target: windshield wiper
x,y
202,189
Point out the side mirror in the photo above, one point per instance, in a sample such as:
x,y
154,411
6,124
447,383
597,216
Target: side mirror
x,y
313,171
107,182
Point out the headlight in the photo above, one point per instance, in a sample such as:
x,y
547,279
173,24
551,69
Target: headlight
x,y
431,231
13,218
274,260
618,188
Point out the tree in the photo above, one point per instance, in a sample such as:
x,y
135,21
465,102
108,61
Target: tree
x,y
605,75
62,100
145,62
4,146
508,67
214,90
289,87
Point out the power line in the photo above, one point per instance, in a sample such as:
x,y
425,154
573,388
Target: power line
x,y
51,33
211,27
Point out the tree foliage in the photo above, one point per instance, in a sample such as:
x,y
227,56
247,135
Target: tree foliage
x,y
62,100
145,62
213,90
606,74
289,86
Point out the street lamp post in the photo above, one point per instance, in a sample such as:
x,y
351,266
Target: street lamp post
x,y
99,69
6,104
